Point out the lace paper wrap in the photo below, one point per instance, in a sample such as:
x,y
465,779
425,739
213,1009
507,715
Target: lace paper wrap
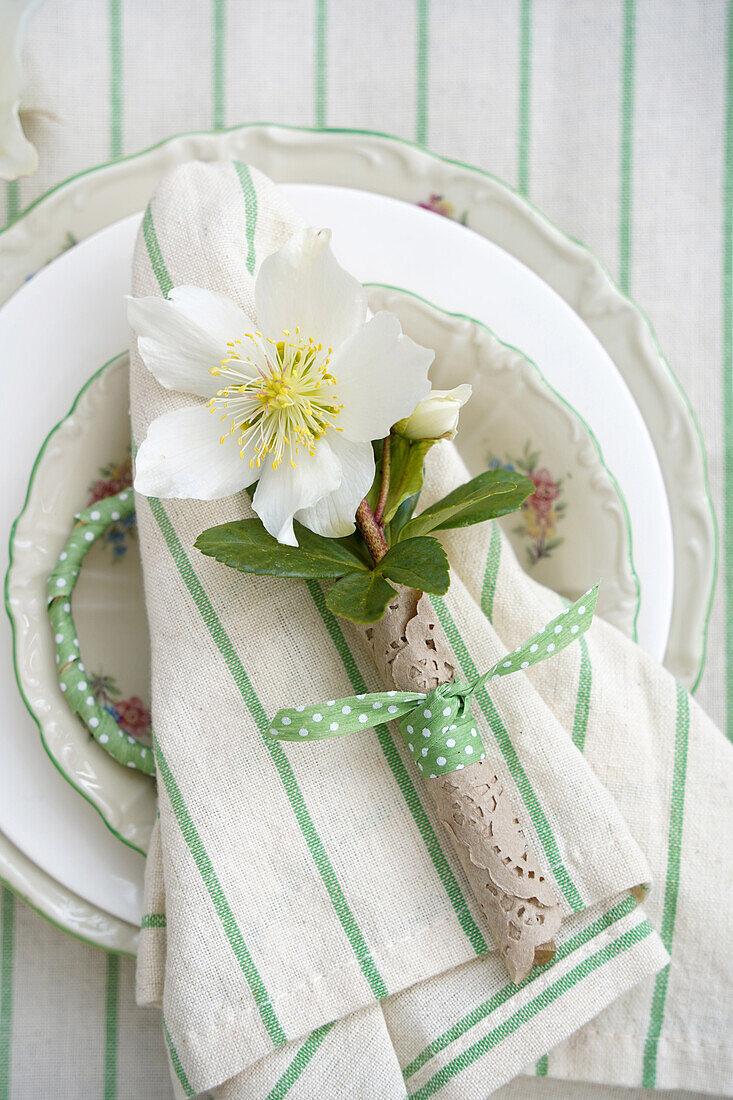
x,y
516,894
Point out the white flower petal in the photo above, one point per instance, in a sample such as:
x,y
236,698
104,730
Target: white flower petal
x,y
302,285
333,516
381,375
283,492
182,457
182,337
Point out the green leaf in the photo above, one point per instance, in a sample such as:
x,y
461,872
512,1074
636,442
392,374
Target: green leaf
x,y
361,597
419,563
400,518
407,458
491,494
245,545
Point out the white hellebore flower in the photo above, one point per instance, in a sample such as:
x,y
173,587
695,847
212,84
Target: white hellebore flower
x,y
436,417
293,402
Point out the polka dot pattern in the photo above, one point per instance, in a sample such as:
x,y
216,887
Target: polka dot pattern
x,y
90,524
438,729
550,640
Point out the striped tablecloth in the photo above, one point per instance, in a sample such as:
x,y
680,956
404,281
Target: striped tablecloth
x,y
614,117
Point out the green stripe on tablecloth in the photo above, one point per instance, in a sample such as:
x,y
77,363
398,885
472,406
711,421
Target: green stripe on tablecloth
x,y
525,93
250,210
111,999
727,380
422,56
541,1067
547,997
115,78
540,822
320,62
7,941
491,572
156,256
176,1063
12,201
218,898
439,861
582,699
627,139
299,1062
218,62
313,841
154,920
671,888
503,995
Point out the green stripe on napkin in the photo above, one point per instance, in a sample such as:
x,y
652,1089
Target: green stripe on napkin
x,y
628,905
176,1063
582,699
299,1062
669,913
219,901
540,822
404,782
533,1008
313,841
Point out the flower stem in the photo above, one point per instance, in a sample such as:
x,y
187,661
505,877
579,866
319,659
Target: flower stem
x,y
384,490
371,531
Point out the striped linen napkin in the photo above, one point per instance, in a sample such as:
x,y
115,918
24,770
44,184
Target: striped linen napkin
x,y
308,929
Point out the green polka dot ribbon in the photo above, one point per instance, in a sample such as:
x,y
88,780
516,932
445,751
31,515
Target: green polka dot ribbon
x,y
438,728
90,525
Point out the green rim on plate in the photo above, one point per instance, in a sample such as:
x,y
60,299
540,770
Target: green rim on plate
x,y
631,321
562,401
14,634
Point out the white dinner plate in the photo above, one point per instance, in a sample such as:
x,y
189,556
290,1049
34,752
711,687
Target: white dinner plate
x,y
513,416
80,299
64,841
69,823
391,166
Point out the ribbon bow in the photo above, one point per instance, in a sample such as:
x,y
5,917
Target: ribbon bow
x,y
438,728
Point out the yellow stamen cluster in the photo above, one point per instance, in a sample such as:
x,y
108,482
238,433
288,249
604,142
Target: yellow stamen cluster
x,y
279,395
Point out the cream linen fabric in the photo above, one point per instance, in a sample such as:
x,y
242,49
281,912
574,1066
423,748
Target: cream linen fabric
x,y
303,886
610,117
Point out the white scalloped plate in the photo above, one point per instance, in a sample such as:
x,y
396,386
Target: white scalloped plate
x,y
86,203
394,167
512,407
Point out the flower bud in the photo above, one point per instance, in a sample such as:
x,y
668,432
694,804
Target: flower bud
x,y
436,416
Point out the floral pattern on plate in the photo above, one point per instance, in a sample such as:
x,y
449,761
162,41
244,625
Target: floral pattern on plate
x,y
131,715
540,513
438,204
113,478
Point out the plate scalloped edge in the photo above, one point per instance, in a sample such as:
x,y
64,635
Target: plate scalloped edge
x,y
625,594
64,910
83,763
575,273
88,787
